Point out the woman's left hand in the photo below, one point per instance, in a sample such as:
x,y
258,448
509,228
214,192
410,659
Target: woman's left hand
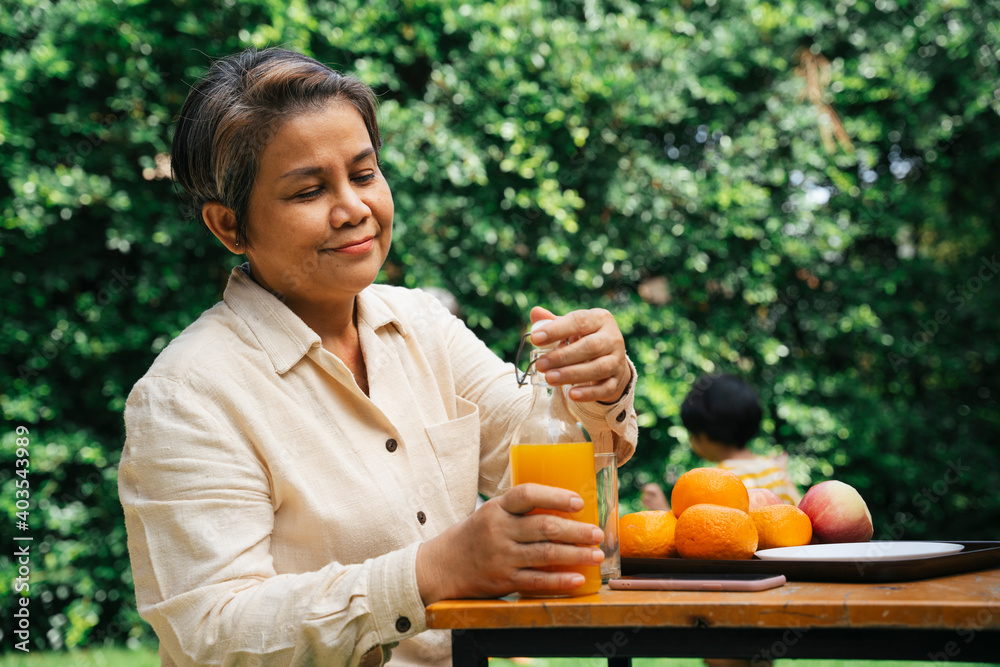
x,y
592,359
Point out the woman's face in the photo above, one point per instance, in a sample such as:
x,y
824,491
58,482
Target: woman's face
x,y
320,214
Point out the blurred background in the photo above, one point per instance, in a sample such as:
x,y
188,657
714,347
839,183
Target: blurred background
x,y
802,193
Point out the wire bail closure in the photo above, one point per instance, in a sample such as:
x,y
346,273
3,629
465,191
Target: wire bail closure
x,y
522,378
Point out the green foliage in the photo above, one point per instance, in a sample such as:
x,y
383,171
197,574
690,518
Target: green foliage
x,y
141,656
801,192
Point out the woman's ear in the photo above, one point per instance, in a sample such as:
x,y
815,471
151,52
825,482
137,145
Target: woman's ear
x,y
221,221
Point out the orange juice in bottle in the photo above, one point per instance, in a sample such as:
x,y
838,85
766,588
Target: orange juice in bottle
x,y
550,447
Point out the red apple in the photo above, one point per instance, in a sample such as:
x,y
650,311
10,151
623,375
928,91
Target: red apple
x,y
762,497
838,513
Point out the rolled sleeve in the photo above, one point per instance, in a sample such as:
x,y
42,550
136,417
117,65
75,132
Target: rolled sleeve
x,y
613,427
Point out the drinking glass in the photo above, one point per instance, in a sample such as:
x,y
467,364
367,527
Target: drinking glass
x,y
606,469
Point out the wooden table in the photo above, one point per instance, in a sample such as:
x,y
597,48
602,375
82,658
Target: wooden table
x,y
954,618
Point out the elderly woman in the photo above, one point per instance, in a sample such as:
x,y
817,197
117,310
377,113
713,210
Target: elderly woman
x,y
302,463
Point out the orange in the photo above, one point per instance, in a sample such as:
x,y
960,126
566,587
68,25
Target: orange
x,y
709,485
647,534
715,532
781,526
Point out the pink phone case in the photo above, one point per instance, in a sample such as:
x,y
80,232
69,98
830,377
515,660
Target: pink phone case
x,y
706,584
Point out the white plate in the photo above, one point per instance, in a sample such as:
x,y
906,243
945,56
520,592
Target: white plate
x,y
861,551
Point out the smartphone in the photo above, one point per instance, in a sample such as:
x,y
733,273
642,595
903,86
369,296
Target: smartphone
x,y
697,582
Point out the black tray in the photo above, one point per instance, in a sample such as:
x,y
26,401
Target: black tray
x,y
975,556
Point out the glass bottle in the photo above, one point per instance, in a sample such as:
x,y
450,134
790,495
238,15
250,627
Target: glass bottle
x,y
551,447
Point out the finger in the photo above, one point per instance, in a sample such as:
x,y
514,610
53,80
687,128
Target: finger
x,y
581,350
547,554
524,498
549,528
577,323
588,371
536,580
538,314
607,341
606,390
539,334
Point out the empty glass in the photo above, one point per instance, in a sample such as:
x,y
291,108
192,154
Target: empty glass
x,y
606,469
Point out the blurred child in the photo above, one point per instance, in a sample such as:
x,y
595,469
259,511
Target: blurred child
x,y
722,413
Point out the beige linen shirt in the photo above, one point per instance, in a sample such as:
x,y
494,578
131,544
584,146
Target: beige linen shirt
x,y
274,510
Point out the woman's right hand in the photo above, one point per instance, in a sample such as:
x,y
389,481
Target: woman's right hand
x,y
495,551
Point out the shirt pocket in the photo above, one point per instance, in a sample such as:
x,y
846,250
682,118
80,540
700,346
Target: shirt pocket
x,y
456,445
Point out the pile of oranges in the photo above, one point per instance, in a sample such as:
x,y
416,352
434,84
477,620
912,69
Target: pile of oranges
x,y
711,519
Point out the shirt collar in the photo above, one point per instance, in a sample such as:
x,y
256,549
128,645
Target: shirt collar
x,y
375,313
284,337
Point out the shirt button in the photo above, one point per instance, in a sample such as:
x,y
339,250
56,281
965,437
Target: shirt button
x,y
621,417
390,444
402,624
421,517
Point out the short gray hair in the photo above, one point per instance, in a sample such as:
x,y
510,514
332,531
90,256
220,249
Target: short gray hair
x,y
231,113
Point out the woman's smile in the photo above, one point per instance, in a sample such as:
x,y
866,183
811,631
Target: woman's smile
x,y
359,247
